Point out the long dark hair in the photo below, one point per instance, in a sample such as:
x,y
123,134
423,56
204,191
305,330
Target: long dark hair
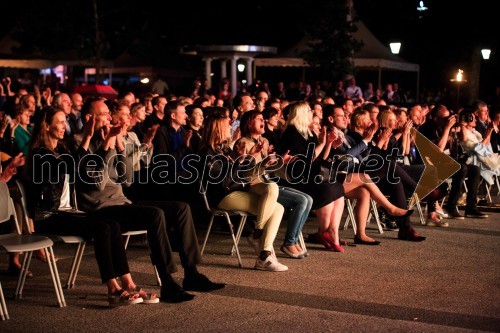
x,y
40,137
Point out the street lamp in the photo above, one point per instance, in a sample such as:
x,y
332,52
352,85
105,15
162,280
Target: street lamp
x,y
395,47
486,53
241,68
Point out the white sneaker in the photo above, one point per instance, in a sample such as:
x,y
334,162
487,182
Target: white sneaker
x,y
271,264
254,243
432,223
442,213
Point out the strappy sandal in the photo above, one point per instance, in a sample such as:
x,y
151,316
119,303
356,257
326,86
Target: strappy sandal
x,y
122,297
147,298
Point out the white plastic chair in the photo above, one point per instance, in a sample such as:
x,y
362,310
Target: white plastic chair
x,y
14,242
227,214
4,313
71,239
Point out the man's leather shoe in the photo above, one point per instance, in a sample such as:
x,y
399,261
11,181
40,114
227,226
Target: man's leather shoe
x,y
410,235
454,214
475,214
358,240
201,283
175,294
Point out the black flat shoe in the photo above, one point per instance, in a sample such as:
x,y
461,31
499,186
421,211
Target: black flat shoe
x,y
201,283
358,240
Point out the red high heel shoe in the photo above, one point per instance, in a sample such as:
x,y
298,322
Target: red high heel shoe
x,y
333,246
338,248
329,239
322,240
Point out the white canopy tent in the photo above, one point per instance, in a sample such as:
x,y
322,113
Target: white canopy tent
x,y
373,56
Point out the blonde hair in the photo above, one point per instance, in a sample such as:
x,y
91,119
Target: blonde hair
x,y
357,117
383,117
214,133
300,116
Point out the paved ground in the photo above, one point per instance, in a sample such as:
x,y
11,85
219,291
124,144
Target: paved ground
x,y
449,283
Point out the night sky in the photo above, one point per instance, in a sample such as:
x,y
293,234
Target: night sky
x,y
441,41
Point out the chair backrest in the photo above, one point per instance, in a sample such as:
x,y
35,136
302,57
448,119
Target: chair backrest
x,y
7,209
24,207
203,192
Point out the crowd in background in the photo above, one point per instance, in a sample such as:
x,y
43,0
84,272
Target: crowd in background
x,y
260,134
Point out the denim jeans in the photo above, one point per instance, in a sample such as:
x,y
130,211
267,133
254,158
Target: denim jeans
x,y
300,205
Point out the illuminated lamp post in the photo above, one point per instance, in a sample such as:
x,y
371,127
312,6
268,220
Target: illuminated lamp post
x,y
395,47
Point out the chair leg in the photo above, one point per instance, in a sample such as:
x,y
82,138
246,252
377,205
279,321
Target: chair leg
x,y
22,276
82,251
157,276
350,210
377,218
127,238
420,212
498,186
208,233
243,220
488,194
235,243
415,201
54,273
301,242
75,265
4,314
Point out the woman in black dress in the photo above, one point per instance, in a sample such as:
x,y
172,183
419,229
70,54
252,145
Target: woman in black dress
x,y
328,197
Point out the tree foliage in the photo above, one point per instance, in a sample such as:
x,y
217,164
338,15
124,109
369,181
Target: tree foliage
x,y
331,44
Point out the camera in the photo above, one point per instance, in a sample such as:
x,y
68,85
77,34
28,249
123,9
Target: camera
x,y
466,117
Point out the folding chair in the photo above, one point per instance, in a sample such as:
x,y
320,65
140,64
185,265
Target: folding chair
x,y
488,187
415,201
4,314
350,217
14,242
135,233
227,214
71,239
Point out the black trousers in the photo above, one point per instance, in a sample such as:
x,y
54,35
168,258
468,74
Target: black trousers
x,y
394,189
164,221
473,174
108,241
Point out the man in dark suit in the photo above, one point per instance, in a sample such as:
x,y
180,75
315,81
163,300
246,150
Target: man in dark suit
x,y
480,109
358,148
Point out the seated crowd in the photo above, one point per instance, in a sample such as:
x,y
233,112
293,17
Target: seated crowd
x,y
134,164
